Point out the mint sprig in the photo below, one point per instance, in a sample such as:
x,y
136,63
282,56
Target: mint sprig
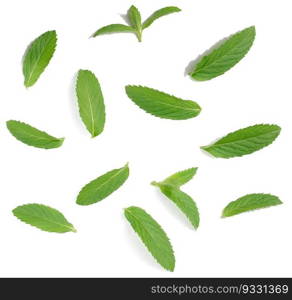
x,y
135,23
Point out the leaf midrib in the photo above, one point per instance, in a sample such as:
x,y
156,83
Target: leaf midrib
x,y
49,221
142,224
91,110
110,178
176,106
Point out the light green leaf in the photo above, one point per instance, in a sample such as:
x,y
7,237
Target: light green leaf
x,y
184,202
170,187
178,179
135,21
244,141
90,101
113,28
38,56
250,202
152,235
43,217
160,13
161,104
103,186
32,136
225,56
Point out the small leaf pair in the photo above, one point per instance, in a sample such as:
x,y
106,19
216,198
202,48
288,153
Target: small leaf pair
x,y
135,22
170,187
150,232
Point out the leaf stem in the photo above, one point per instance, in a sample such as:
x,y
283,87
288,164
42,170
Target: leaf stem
x,y
139,35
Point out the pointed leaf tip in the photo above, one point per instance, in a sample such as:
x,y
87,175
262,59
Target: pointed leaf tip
x,y
103,186
43,217
90,102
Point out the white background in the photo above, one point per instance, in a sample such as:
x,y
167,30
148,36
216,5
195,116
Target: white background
x,y
257,90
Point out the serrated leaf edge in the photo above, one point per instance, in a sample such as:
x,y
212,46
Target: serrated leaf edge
x,y
29,47
61,140
172,251
72,229
251,210
120,171
214,144
198,110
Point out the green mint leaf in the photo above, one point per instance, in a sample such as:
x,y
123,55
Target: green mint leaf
x,y
38,56
43,217
161,104
152,235
250,202
170,187
224,57
178,179
90,101
134,17
103,186
32,136
184,202
160,13
113,28
244,141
